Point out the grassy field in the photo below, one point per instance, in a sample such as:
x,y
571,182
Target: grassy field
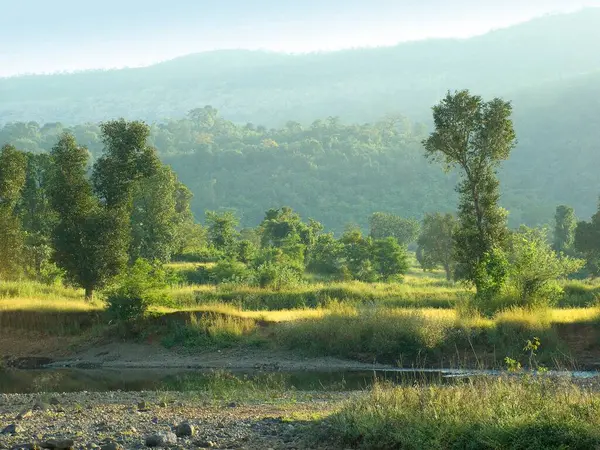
x,y
483,414
419,322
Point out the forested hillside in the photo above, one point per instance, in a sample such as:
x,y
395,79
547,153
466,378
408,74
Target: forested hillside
x,y
324,133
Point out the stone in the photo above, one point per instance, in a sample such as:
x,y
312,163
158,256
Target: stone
x,y
40,406
27,412
59,444
205,444
232,405
142,406
112,446
54,401
161,439
184,430
11,429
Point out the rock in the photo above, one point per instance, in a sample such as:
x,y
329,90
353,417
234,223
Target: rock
x,y
40,406
27,412
12,429
93,447
184,430
161,439
112,446
142,406
232,405
54,401
59,444
205,444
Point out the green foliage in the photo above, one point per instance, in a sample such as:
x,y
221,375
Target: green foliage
x,y
564,229
587,242
160,215
384,225
229,270
138,287
222,232
127,158
535,269
325,255
357,254
389,258
436,243
13,165
475,136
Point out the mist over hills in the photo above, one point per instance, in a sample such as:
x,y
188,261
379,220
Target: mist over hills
x,y
549,67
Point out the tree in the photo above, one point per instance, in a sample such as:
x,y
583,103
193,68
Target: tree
x,y
474,136
383,225
90,241
436,243
13,165
357,254
38,217
127,158
587,242
389,258
535,267
564,230
222,232
325,255
155,219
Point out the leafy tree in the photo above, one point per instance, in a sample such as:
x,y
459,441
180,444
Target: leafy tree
x,y
155,220
474,136
127,158
357,255
535,268
587,242
222,232
13,166
384,225
246,251
90,241
436,243
37,215
325,255
564,230
389,258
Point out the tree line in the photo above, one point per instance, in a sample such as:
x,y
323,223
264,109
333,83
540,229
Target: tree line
x,y
63,215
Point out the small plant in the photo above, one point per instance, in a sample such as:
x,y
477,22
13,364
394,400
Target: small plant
x,y
512,365
531,348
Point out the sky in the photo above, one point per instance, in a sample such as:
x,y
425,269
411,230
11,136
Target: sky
x,y
43,36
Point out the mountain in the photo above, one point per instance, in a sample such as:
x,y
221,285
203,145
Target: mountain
x,y
361,84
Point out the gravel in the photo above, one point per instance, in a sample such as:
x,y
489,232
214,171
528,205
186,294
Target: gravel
x,y
114,421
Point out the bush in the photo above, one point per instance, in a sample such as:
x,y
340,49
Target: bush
x,y
229,270
139,287
277,276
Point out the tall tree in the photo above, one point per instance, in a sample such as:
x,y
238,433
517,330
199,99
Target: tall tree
x,y
90,241
474,136
384,225
564,229
13,165
587,242
436,243
222,232
37,215
127,158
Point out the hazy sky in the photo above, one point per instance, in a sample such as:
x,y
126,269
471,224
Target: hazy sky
x,y
56,35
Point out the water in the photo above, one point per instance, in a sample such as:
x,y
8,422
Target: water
x,y
101,380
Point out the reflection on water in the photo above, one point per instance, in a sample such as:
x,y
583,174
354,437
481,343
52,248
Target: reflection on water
x,y
100,380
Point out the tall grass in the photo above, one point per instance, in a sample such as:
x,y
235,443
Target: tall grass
x,y
483,414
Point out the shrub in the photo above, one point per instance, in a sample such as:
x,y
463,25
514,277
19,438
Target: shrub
x,y
135,290
229,270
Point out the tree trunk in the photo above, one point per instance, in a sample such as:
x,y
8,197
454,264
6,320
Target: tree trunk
x,y
448,272
89,293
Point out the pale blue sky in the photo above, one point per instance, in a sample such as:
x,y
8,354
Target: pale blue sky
x,y
64,35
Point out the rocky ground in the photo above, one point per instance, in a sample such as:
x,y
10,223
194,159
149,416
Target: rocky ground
x,y
118,420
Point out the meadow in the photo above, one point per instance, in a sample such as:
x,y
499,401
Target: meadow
x,y
419,322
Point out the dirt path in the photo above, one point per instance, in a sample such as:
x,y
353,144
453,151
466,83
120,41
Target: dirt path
x,y
140,356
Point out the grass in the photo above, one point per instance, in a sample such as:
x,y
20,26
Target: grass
x,y
482,414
